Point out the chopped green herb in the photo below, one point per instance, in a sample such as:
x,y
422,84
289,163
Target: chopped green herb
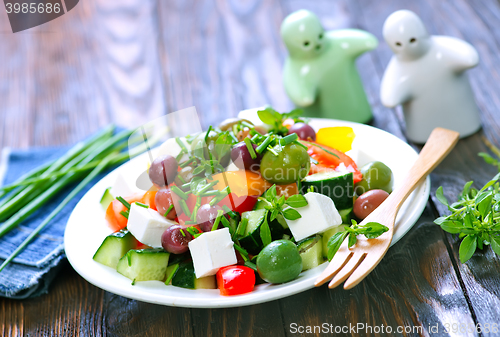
x,y
251,265
270,149
250,148
185,207
300,144
187,162
288,139
242,226
141,204
168,210
179,192
125,214
181,144
217,220
243,252
124,202
264,144
172,274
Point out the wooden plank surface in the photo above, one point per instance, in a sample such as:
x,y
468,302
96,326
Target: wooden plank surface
x,y
133,60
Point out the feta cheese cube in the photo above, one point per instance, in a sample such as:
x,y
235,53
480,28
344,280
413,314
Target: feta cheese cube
x,y
319,215
121,187
211,251
147,225
172,148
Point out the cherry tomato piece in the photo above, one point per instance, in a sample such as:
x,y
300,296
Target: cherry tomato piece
x,y
235,280
327,161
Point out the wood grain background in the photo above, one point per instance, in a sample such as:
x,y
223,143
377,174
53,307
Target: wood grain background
x,y
130,61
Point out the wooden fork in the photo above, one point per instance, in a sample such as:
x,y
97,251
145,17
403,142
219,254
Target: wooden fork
x,y
359,260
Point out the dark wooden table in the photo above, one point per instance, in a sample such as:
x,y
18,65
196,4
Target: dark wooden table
x,y
130,61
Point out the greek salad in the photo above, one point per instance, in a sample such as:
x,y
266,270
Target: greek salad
x,y
241,204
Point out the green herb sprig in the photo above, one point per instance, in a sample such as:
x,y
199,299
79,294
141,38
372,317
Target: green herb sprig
x,y
475,217
279,206
275,119
371,230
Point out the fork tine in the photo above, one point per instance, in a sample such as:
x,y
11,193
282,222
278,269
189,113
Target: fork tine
x,y
339,260
365,268
344,273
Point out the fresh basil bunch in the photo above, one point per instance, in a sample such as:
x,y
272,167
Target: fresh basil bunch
x,y
475,217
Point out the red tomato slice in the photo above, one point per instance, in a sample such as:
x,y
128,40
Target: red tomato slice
x,y
235,280
116,221
239,204
149,199
329,162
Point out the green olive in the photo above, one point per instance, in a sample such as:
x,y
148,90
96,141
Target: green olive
x,y
376,175
279,262
291,163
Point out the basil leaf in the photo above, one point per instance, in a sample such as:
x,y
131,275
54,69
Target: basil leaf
x,y
334,244
440,220
484,203
267,116
495,243
297,200
453,227
198,170
271,193
466,190
440,196
265,232
352,240
373,230
468,218
291,214
281,201
467,248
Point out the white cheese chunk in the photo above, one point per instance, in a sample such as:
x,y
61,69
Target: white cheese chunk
x,y
121,187
171,147
319,215
147,225
211,251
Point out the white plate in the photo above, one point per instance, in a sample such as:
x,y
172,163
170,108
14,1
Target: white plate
x,y
86,229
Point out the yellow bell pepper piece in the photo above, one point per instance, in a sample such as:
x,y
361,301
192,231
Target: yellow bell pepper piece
x,y
338,137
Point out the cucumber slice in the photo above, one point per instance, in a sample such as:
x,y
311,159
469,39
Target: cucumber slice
x,y
185,277
255,219
346,215
114,247
144,264
252,241
259,205
207,282
106,199
311,251
327,235
336,185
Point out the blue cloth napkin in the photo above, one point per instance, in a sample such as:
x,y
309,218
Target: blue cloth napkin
x,y
31,272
